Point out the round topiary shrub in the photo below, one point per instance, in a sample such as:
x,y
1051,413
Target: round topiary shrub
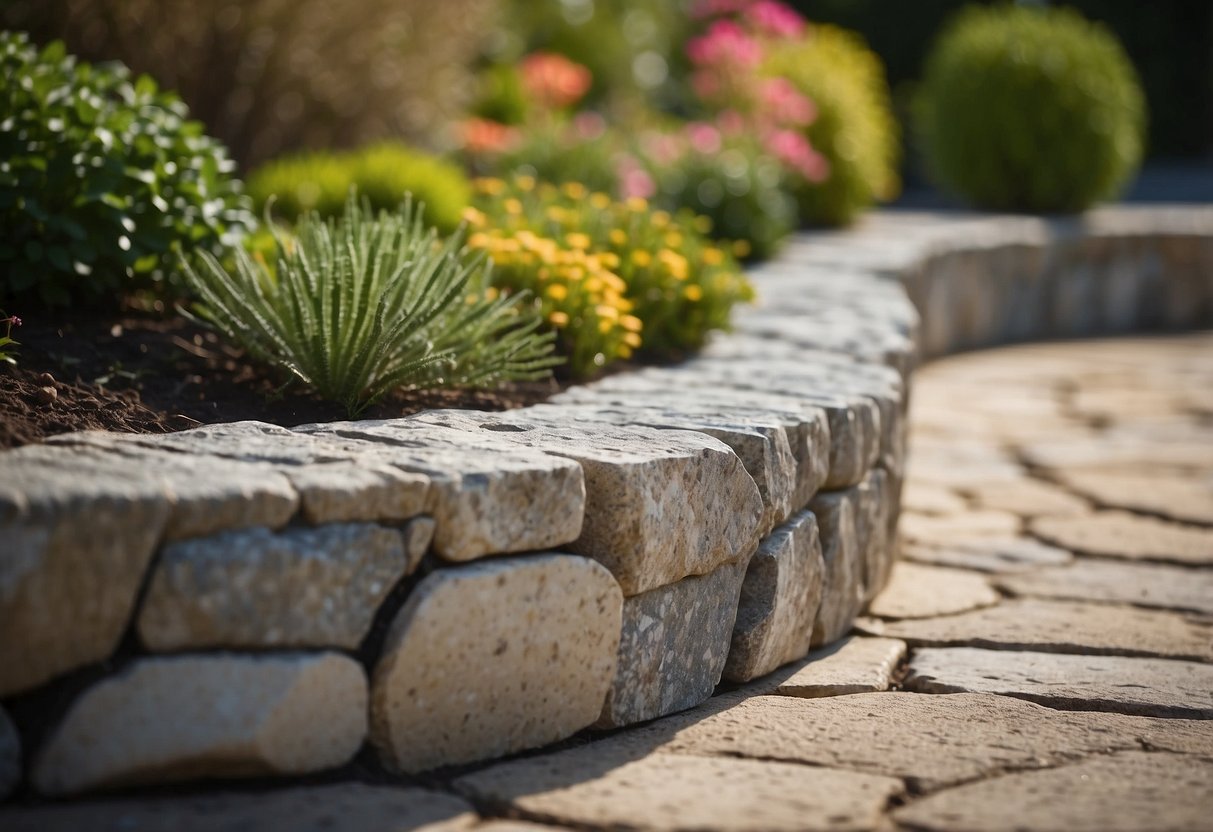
x,y
1030,109
102,179
854,130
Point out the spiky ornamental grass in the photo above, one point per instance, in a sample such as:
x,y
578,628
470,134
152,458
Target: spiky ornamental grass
x,y
365,304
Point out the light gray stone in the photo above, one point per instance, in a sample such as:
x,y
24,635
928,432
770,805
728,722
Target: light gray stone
x,y
918,591
852,665
1115,534
999,554
1143,585
588,788
875,514
1185,499
951,529
660,504
486,497
1061,627
418,535
780,597
1026,497
1156,687
674,646
224,715
10,756
928,740
72,520
495,657
1124,792
842,591
923,498
302,587
340,807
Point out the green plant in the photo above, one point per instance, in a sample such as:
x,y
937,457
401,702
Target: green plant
x,y
102,178
6,340
381,173
854,129
1030,109
364,304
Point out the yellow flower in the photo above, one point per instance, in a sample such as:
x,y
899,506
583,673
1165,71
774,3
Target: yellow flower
x,y
637,203
605,326
578,240
555,213
525,183
608,312
675,262
558,318
692,292
641,258
741,248
713,256
556,291
489,186
609,260
660,219
631,323
617,236
574,190
474,218
600,201
632,340
703,224
512,206
673,239
479,240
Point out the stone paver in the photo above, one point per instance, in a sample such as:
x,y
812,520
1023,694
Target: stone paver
x,y
1118,534
853,665
1124,792
1161,687
990,554
917,591
1027,498
344,807
1141,584
597,788
1061,627
950,528
1184,499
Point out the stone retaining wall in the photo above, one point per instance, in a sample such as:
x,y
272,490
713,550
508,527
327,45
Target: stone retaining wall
x,y
246,600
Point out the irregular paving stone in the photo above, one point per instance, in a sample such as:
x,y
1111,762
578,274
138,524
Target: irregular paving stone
x,y
930,741
1124,792
10,756
303,587
1185,499
590,788
842,591
852,665
1118,450
1026,498
660,504
342,807
1143,585
179,718
990,554
923,498
1061,627
485,498
779,600
1115,534
674,646
495,657
72,520
949,528
917,591
1157,687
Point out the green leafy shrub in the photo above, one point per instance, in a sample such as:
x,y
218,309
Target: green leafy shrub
x,y
381,173
102,177
358,306
854,130
610,277
1030,109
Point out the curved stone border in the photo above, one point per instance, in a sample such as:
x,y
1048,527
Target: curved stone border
x,y
248,600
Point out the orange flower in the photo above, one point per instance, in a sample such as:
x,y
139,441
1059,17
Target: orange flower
x,y
484,136
553,80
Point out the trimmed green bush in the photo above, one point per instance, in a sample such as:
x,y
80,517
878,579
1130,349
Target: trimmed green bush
x,y
381,174
103,177
1030,109
855,129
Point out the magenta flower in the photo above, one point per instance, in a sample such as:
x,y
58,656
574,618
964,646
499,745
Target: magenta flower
x,y
772,18
725,43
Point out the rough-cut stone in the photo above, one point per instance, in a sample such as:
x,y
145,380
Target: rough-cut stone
x,y
674,646
418,535
1115,534
343,807
1157,687
952,528
10,755
917,591
224,715
875,514
990,554
842,591
495,657
1061,627
589,788
930,741
349,492
923,498
1185,499
779,601
1026,498
302,587
72,520
852,665
660,504
1124,792
1143,585
485,498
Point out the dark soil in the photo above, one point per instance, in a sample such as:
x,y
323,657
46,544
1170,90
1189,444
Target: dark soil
x,y
149,372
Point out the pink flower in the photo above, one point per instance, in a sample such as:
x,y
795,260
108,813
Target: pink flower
x,y
793,150
662,148
704,138
786,104
588,125
725,43
731,123
772,18
14,321
553,80
635,180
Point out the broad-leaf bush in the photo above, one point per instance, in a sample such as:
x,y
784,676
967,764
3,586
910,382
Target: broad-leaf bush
x,y
358,306
381,173
101,178
1030,109
854,129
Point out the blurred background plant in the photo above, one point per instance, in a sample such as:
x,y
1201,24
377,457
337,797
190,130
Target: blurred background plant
x,y
7,343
